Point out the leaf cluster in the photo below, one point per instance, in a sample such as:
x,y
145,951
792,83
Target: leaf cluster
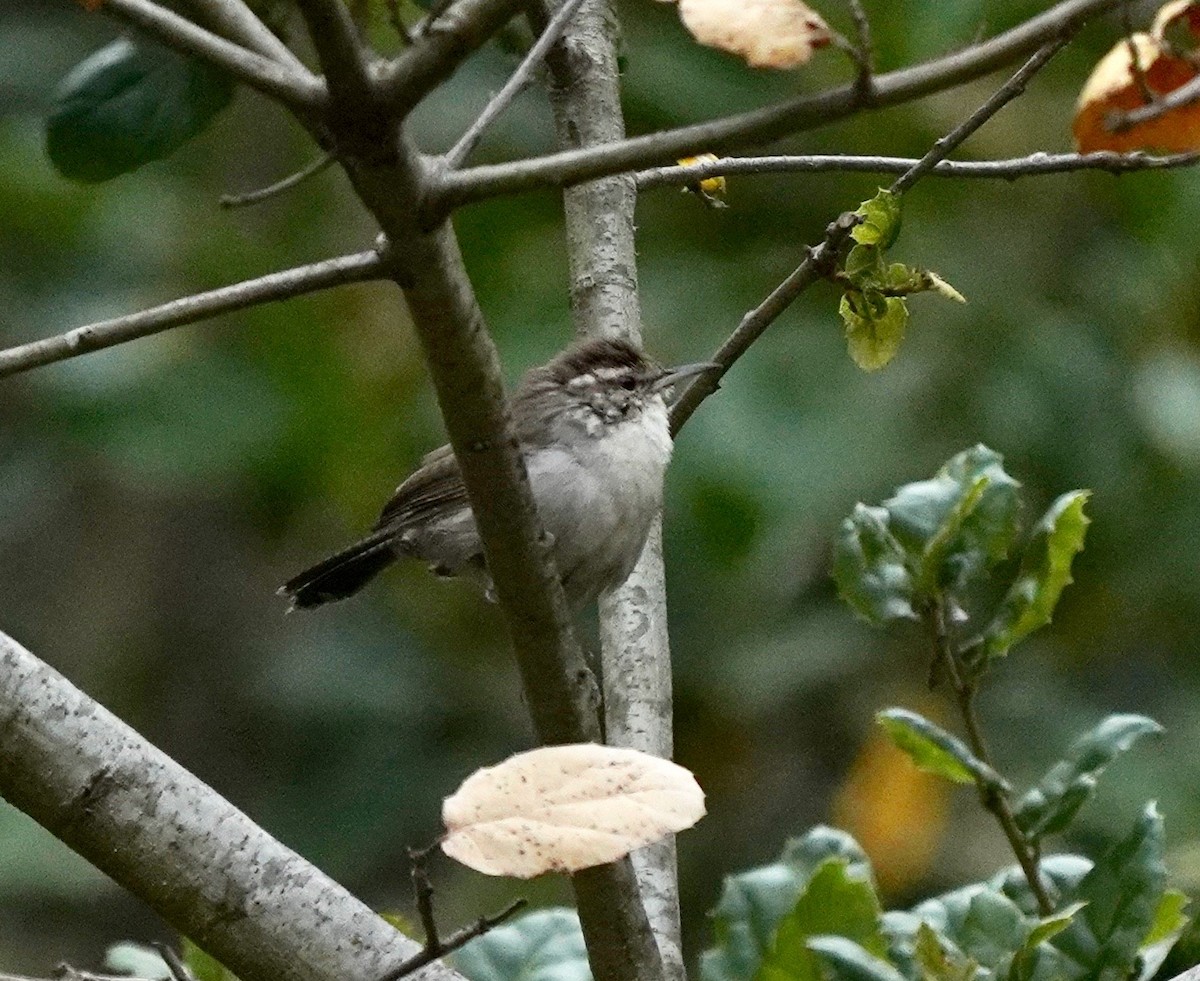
x,y
873,306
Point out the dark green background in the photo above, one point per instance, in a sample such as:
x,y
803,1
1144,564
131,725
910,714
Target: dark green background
x,y
153,496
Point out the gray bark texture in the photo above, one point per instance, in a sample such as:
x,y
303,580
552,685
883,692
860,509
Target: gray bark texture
x,y
602,257
203,865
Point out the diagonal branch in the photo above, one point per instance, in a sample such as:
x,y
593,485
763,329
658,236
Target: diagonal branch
x,y
355,268
516,83
211,872
807,112
300,92
1186,95
821,260
237,22
441,48
341,52
1013,168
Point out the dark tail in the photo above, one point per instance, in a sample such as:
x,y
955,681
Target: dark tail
x,y
342,574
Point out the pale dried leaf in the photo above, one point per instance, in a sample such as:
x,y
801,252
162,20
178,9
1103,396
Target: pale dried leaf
x,y
766,33
1112,88
565,808
1187,12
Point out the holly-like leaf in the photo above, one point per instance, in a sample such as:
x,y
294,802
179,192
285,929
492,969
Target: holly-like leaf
x,y
1169,924
837,900
849,961
542,946
869,567
880,225
1050,806
1045,572
753,903
874,327
1064,872
128,104
941,962
935,750
1123,892
959,522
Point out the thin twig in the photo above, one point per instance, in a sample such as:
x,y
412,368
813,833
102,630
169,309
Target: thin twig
x,y
991,795
821,260
236,21
282,285
1186,95
302,92
569,167
516,83
179,970
1010,169
1135,56
423,894
457,939
863,53
999,99
436,9
279,187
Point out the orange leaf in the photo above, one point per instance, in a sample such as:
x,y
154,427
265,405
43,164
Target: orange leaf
x,y
1112,88
766,33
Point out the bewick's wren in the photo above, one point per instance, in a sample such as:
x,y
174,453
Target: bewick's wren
x,y
593,429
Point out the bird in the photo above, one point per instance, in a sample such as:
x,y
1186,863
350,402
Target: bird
x,y
593,429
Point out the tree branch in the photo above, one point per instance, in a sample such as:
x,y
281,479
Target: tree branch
x,y
635,647
569,167
311,169
441,48
1186,95
237,22
821,260
355,268
1013,168
300,92
340,50
157,830
516,84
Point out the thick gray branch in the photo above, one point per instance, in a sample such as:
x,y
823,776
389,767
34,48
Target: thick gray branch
x,y
1011,169
253,292
209,870
602,260
569,167
301,92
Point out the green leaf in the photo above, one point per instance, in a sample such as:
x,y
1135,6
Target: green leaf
x,y
864,265
880,223
1050,806
993,930
850,962
870,569
1045,572
941,962
753,903
959,522
542,946
1169,924
836,900
874,327
1064,871
934,750
1123,892
203,966
126,105
1052,925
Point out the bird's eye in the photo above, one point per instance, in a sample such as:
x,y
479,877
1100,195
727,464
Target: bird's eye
x,y
629,383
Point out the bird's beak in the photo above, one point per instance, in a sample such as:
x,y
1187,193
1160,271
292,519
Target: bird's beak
x,y
674,375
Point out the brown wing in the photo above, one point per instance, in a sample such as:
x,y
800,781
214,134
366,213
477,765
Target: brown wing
x,y
436,487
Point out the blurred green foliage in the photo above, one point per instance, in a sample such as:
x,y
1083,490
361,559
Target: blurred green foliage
x,y
153,496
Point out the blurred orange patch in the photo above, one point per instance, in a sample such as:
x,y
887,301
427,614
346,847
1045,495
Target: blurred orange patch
x,y
896,812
